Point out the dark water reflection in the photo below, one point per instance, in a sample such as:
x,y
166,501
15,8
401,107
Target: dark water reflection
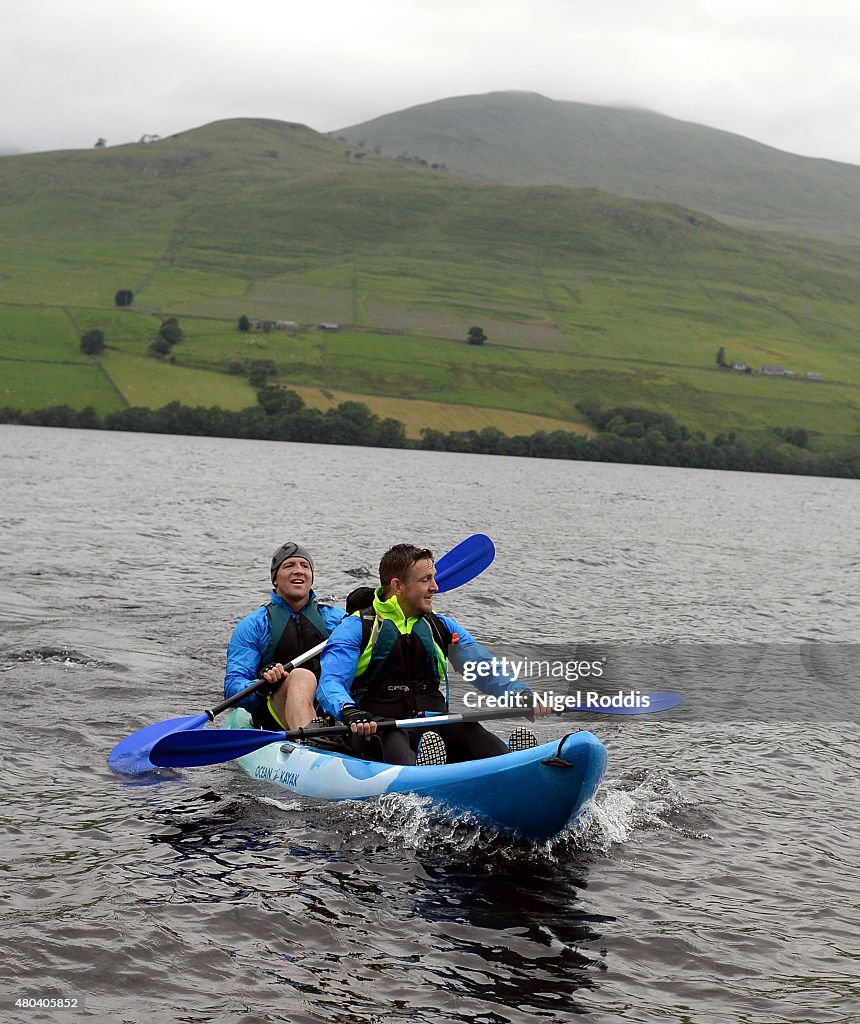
x,y
535,953
503,926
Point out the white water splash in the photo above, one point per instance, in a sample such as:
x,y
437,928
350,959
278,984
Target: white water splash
x,y
636,802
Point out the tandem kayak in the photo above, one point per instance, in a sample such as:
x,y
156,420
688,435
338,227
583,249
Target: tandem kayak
x,y
533,794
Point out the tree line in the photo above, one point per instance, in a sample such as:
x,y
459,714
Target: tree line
x,y
642,437
624,434
280,415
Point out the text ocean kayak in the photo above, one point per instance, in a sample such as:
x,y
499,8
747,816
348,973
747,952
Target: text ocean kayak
x,y
533,794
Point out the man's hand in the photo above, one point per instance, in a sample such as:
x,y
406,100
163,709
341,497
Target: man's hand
x,y
532,709
274,675
359,721
540,710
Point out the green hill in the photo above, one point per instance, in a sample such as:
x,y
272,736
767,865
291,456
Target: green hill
x,y
518,138
583,295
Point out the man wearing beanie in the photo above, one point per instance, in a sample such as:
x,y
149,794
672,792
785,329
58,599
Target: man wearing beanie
x,y
263,642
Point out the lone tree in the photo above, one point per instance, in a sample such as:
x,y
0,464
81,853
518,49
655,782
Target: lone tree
x,y
721,357
260,371
171,332
244,323
124,297
278,401
160,348
93,342
476,336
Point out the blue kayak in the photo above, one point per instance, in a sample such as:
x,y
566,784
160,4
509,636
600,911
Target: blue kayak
x,y
533,794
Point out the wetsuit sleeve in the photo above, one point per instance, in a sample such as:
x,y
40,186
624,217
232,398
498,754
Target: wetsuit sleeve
x,y
338,662
248,644
467,656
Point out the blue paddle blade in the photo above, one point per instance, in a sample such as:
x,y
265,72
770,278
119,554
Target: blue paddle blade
x,y
648,704
131,755
209,746
464,562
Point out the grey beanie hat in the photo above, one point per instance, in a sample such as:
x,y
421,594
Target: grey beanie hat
x,y
289,550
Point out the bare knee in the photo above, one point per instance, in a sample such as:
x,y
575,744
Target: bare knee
x,y
301,684
296,698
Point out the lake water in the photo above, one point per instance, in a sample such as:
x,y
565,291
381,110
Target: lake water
x,y
714,879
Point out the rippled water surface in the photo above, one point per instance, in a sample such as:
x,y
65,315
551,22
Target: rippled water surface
x,y
715,878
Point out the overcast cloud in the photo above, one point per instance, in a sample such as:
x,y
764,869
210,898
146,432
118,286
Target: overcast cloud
x,y
783,72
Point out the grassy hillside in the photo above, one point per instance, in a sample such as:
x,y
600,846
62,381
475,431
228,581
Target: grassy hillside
x,y
582,294
518,138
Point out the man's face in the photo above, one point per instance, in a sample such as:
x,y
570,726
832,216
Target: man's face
x,y
415,590
293,580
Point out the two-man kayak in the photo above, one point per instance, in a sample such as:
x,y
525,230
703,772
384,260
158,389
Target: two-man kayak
x,y
533,794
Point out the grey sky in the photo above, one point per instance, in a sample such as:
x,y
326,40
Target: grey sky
x,y
783,72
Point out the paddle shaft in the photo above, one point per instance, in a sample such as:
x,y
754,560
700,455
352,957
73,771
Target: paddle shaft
x,y
214,746
257,683
663,702
195,748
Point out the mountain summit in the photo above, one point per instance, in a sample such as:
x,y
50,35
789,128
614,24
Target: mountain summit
x,y
519,138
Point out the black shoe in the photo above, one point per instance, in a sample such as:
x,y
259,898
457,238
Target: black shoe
x,y
522,739
331,744
431,749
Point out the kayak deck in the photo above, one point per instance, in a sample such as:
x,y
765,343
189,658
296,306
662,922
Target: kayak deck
x,y
533,794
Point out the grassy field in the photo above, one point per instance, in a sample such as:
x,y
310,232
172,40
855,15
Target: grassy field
x,y
26,386
140,383
415,414
582,294
33,333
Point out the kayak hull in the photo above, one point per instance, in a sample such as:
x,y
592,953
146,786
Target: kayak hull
x,y
533,794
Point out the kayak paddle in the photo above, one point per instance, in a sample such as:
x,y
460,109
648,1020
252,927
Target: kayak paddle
x,y
131,756
213,746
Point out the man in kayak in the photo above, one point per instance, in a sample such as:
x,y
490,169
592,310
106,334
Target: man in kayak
x,y
263,642
389,661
